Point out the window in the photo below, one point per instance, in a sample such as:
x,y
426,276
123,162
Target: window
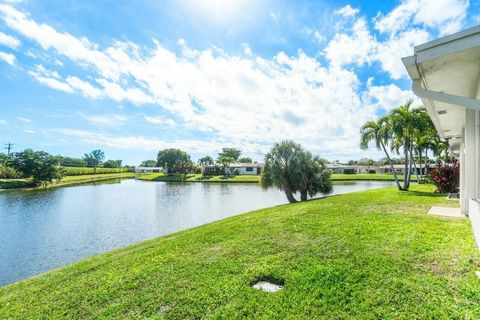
x,y
249,169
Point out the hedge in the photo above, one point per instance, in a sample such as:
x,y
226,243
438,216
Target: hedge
x,y
78,171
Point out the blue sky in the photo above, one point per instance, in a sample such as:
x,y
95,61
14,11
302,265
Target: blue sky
x,y
135,77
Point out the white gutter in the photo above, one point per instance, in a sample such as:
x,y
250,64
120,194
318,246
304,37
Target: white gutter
x,y
469,103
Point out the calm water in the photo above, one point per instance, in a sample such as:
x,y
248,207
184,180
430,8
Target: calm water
x,y
42,230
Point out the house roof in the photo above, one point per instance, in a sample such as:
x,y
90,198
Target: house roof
x,y
445,74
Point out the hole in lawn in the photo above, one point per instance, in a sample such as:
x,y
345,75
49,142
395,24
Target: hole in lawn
x,y
268,284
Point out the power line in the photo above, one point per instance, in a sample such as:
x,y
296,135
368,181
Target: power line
x,y
8,147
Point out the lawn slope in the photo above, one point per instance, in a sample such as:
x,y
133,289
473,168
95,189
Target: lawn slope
x,y
368,255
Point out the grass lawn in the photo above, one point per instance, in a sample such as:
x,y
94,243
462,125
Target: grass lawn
x,y
67,180
368,255
368,176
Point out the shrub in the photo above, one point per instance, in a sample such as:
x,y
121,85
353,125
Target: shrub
x,y
446,176
349,171
7,172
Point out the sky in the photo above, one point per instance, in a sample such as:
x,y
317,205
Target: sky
x,y
134,77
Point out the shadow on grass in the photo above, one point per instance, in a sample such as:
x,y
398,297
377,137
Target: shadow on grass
x,y
422,194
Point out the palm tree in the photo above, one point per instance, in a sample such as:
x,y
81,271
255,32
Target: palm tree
x,y
204,161
225,161
378,132
292,169
405,122
279,168
315,177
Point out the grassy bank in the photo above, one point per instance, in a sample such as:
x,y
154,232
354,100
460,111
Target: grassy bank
x,y
369,255
256,178
67,180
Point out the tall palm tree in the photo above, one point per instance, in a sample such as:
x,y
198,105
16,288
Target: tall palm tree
x,y
405,122
379,134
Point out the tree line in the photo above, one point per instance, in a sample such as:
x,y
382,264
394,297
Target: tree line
x,y
175,160
44,168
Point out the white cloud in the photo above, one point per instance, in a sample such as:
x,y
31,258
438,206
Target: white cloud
x,y
359,47
3,122
246,100
26,120
7,57
106,120
388,97
158,120
9,41
445,15
87,89
347,11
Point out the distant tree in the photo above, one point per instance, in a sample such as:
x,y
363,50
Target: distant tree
x,y
206,161
230,152
149,163
292,169
245,160
169,157
94,158
71,162
181,166
4,158
225,161
40,166
112,164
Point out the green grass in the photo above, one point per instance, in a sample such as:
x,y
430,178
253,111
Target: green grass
x,y
367,255
67,180
368,176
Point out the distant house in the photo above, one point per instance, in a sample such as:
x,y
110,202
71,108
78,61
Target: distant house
x,y
235,169
149,170
400,168
341,168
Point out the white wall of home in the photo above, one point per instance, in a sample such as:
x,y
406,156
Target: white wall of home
x,y
242,170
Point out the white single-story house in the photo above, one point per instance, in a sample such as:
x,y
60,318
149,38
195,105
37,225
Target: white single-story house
x,y
350,169
446,76
400,168
149,170
235,169
341,168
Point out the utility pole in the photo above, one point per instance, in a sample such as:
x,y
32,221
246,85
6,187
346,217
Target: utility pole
x,y
8,147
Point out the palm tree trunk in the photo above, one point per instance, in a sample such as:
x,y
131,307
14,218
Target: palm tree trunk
x,y
391,167
414,165
290,196
409,171
303,196
420,161
406,172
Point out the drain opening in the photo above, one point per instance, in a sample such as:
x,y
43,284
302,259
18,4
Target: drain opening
x,y
268,284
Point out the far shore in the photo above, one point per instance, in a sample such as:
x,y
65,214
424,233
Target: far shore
x,y
256,178
25,184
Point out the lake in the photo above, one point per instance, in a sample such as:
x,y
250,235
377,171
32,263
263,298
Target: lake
x,y
44,229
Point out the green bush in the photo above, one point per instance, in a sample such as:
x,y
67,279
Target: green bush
x,y
9,173
349,171
78,171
